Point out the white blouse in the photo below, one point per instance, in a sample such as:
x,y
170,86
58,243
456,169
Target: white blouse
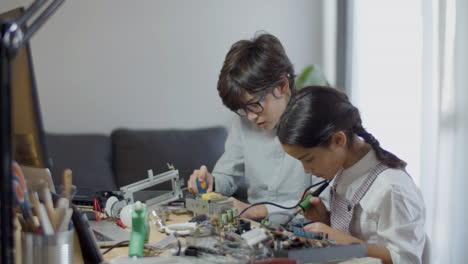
x,y
391,214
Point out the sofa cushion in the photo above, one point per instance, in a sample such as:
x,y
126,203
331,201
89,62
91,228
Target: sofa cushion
x,y
137,151
87,155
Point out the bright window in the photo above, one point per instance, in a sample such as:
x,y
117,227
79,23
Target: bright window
x,y
386,74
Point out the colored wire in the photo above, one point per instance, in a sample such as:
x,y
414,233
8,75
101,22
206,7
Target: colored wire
x,y
280,206
97,209
114,246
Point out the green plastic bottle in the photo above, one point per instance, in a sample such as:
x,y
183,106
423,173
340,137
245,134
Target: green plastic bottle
x,y
140,230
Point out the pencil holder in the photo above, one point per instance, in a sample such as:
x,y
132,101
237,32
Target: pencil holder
x,y
53,249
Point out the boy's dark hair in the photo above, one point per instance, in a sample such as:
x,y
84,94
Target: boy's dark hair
x,y
315,113
253,66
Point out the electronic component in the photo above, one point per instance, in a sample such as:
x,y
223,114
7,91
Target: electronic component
x,y
158,218
311,235
208,204
243,226
255,236
199,218
219,248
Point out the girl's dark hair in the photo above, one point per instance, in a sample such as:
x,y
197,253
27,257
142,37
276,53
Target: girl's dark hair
x,y
253,66
315,113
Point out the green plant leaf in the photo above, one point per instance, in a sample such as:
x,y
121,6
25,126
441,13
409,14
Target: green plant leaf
x,y
311,75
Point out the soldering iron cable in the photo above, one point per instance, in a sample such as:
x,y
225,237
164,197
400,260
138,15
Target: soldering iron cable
x,y
280,206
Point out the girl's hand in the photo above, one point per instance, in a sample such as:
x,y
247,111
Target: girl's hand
x,y
317,211
333,234
256,212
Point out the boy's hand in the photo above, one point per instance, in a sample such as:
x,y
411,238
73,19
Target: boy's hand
x,y
203,175
256,212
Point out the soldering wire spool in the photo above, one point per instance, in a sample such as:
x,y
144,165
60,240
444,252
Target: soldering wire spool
x,y
114,206
117,208
109,203
126,215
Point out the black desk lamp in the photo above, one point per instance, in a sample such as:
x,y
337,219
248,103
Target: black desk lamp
x,y
12,38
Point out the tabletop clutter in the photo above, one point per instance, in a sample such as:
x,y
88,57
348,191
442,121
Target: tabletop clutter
x,y
215,233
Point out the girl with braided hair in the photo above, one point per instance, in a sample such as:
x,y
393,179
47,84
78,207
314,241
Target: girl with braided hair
x,y
373,200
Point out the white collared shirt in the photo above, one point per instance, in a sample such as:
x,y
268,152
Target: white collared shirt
x,y
254,157
391,214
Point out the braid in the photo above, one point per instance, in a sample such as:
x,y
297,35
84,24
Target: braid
x,y
383,155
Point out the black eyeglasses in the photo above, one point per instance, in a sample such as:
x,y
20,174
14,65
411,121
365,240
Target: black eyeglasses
x,y
255,108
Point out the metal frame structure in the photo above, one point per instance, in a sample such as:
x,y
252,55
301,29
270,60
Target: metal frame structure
x,y
154,180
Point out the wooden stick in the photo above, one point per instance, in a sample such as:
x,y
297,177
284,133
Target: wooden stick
x,y
67,183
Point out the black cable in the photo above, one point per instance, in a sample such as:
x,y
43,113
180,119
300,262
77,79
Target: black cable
x,y
114,246
180,247
280,206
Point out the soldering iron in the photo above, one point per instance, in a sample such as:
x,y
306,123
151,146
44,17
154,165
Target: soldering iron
x,y
305,204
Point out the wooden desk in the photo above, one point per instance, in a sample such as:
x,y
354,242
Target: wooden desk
x,y
155,236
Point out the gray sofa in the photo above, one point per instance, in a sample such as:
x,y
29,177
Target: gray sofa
x,y
107,162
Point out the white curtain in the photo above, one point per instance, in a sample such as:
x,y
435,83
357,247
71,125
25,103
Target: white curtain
x,y
385,71
409,77
444,148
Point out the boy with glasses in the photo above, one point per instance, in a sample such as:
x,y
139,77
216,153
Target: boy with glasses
x,y
256,82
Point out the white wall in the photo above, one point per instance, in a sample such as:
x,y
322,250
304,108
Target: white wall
x,y
154,64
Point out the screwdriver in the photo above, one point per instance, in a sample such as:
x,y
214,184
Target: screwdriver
x,y
305,204
202,186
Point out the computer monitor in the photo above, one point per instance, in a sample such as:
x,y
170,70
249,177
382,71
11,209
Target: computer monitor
x,y
29,146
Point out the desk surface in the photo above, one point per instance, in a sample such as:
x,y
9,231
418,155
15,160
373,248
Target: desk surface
x,y
155,236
